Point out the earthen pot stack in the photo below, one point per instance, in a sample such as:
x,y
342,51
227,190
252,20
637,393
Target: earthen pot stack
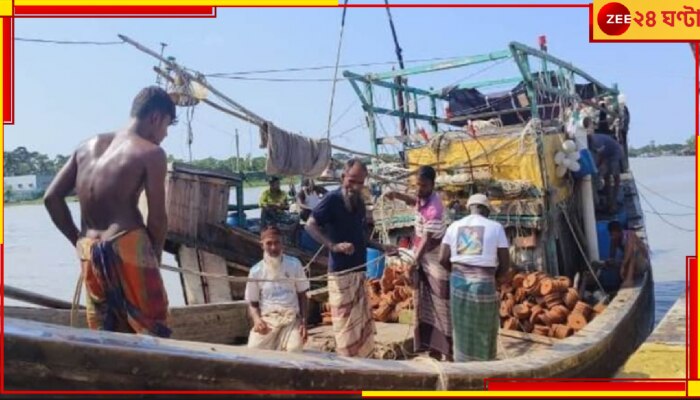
x,y
543,305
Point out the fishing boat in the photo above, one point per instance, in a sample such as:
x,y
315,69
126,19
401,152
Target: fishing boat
x,y
506,144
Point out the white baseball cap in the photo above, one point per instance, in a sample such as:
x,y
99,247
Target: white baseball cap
x,y
479,199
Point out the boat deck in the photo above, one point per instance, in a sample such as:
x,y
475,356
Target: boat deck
x,y
394,341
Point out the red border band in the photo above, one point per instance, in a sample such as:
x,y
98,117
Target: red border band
x,y
691,313
8,76
206,11
549,386
115,11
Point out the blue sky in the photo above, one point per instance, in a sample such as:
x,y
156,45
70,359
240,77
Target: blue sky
x,y
66,93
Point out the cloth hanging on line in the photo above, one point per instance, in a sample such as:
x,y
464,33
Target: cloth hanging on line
x,y
292,154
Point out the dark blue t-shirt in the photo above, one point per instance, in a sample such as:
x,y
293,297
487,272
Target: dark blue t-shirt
x,y
342,226
606,146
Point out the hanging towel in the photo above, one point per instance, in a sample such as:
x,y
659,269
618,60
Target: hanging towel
x,y
292,154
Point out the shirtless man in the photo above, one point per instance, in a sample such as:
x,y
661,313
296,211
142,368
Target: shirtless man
x,y
120,254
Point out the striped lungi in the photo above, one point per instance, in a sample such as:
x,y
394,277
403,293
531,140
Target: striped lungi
x,y
353,326
474,306
433,330
124,289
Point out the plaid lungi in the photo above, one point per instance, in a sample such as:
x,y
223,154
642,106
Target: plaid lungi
x,y
474,307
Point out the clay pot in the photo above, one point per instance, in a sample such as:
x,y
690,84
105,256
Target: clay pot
x,y
530,281
506,288
504,311
541,330
511,324
556,316
584,309
383,312
560,309
547,286
540,301
576,321
535,311
553,299
561,331
520,294
599,308
518,280
545,319
564,281
521,311
571,298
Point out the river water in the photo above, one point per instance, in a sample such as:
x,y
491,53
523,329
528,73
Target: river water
x,y
40,259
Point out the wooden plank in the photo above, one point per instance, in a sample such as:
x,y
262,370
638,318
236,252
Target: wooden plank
x,y
218,289
194,290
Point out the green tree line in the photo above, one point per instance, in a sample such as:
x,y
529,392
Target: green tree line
x,y
675,148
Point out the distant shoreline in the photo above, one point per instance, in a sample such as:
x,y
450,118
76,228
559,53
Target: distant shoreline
x,y
71,199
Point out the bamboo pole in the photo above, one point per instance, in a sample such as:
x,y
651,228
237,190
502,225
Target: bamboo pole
x,y
36,298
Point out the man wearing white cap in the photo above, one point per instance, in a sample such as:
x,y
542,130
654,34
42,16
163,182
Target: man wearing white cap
x,y
475,249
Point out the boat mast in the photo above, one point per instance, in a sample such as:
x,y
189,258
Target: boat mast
x,y
398,80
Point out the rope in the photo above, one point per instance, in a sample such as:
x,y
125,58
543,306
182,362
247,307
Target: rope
x,y
190,134
680,228
669,214
322,67
335,75
580,247
76,299
442,382
323,277
307,267
665,198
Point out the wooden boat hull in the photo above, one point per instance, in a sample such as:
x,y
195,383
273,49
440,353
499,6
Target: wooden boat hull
x,y
44,356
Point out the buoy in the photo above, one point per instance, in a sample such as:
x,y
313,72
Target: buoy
x,y
559,157
574,156
569,146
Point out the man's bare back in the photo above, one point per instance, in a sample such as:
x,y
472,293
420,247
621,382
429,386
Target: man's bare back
x,y
110,171
111,174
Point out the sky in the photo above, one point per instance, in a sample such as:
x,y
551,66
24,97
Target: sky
x,y
66,93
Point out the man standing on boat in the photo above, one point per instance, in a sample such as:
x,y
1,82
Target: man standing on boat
x,y
433,331
475,249
309,196
608,155
277,304
120,254
273,203
342,214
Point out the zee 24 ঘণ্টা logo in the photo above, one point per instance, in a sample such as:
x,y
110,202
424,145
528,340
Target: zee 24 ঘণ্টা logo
x,y
614,19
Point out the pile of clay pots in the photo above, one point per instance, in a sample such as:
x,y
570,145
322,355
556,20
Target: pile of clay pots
x,y
543,305
388,296
391,294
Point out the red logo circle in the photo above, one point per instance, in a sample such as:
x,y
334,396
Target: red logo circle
x,y
614,19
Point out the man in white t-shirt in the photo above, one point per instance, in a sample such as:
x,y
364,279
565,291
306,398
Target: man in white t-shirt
x,y
277,304
475,249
